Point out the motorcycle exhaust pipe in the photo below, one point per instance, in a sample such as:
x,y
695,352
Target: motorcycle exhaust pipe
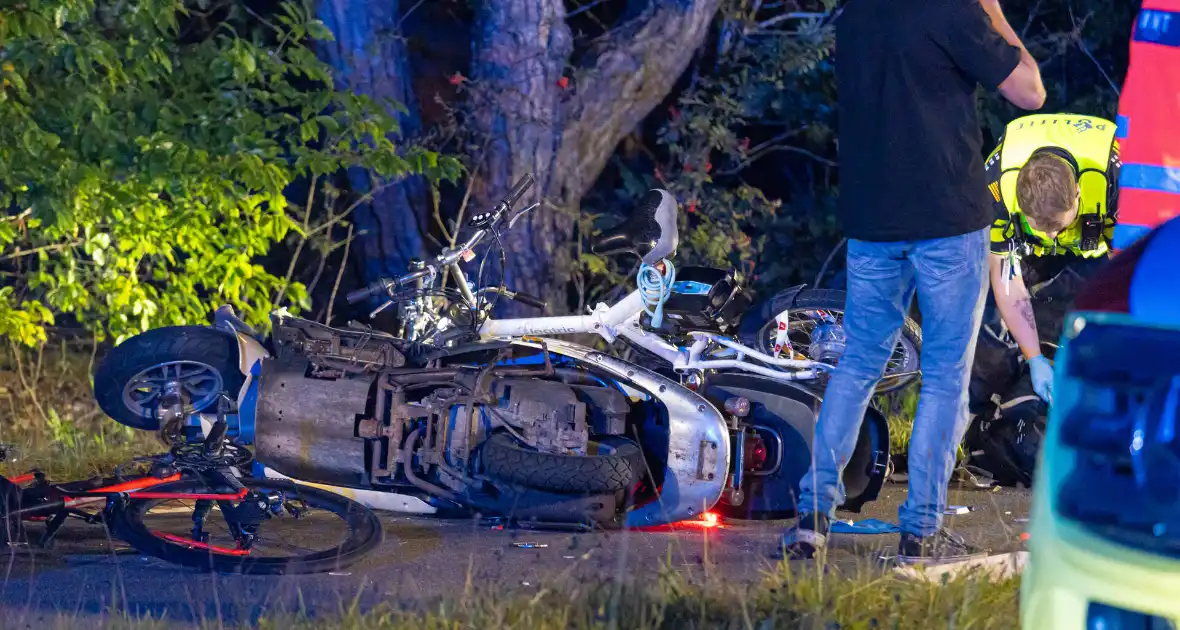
x,y
418,482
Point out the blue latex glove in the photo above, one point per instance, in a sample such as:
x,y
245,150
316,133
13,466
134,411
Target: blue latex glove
x,y
1042,377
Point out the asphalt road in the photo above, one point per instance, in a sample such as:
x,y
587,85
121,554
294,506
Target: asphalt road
x,y
423,560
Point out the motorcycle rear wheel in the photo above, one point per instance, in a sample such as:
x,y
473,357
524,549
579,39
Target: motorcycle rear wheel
x,y
127,384
507,460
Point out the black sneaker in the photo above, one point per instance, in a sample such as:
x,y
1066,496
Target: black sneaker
x,y
940,548
808,537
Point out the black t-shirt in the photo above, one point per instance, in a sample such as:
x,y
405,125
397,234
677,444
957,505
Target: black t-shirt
x,y
911,151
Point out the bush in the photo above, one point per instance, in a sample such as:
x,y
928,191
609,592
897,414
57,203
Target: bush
x,y
145,161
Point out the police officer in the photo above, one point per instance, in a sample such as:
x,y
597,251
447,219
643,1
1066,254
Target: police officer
x,y
1054,179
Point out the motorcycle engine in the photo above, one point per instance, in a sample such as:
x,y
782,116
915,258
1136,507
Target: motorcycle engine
x,y
547,415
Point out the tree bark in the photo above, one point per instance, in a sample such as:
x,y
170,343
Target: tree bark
x,y
369,56
564,134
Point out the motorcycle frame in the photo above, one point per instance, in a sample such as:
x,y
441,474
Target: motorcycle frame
x,y
698,437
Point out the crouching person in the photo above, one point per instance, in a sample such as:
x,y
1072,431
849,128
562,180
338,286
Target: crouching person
x,y
1054,180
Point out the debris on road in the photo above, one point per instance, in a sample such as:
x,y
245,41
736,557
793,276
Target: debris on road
x,y
999,566
529,545
976,478
869,527
957,510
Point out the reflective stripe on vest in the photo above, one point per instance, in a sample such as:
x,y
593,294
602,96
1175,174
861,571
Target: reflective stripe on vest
x,y
1148,128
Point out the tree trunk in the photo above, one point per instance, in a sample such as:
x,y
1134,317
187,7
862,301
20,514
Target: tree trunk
x,y
564,134
370,58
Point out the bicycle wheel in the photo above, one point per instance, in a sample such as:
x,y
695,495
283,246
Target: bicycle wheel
x,y
814,326
299,529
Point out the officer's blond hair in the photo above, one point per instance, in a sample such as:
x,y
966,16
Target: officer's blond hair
x,y
1046,190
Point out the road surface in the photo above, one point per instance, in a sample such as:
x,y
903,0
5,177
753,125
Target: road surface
x,y
423,560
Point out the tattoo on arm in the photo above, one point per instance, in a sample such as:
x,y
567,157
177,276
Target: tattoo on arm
x,y
1024,307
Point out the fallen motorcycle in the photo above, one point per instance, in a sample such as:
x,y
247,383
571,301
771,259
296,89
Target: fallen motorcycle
x,y
683,324
446,426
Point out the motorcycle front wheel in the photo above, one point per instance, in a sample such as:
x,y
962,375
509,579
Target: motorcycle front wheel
x,y
814,330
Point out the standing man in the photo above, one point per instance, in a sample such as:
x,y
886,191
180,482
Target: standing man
x,y
916,211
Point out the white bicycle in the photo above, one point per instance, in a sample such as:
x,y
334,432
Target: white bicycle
x,y
687,318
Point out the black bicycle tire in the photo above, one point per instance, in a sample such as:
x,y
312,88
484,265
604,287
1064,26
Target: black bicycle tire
x,y
366,534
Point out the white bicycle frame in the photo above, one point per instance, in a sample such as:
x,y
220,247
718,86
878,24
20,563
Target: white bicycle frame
x,y
612,322
623,320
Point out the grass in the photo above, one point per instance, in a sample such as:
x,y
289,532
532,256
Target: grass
x,y
899,408
790,596
46,409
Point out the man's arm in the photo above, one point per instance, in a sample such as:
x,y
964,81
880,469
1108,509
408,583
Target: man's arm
x,y
1015,306
1023,87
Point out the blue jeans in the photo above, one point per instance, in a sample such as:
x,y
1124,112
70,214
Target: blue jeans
x,y
951,278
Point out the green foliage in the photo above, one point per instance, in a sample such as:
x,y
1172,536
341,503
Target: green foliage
x,y
764,98
145,171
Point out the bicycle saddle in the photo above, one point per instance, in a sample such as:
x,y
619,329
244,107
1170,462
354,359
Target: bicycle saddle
x,y
650,232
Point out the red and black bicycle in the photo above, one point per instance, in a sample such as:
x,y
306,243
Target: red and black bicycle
x,y
192,506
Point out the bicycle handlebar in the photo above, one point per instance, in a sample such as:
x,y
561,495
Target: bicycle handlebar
x,y
384,285
517,296
519,190
529,300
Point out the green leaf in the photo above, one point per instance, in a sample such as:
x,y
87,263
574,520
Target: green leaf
x,y
319,31
594,264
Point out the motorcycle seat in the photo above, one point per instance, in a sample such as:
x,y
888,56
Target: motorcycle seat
x,y
650,232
